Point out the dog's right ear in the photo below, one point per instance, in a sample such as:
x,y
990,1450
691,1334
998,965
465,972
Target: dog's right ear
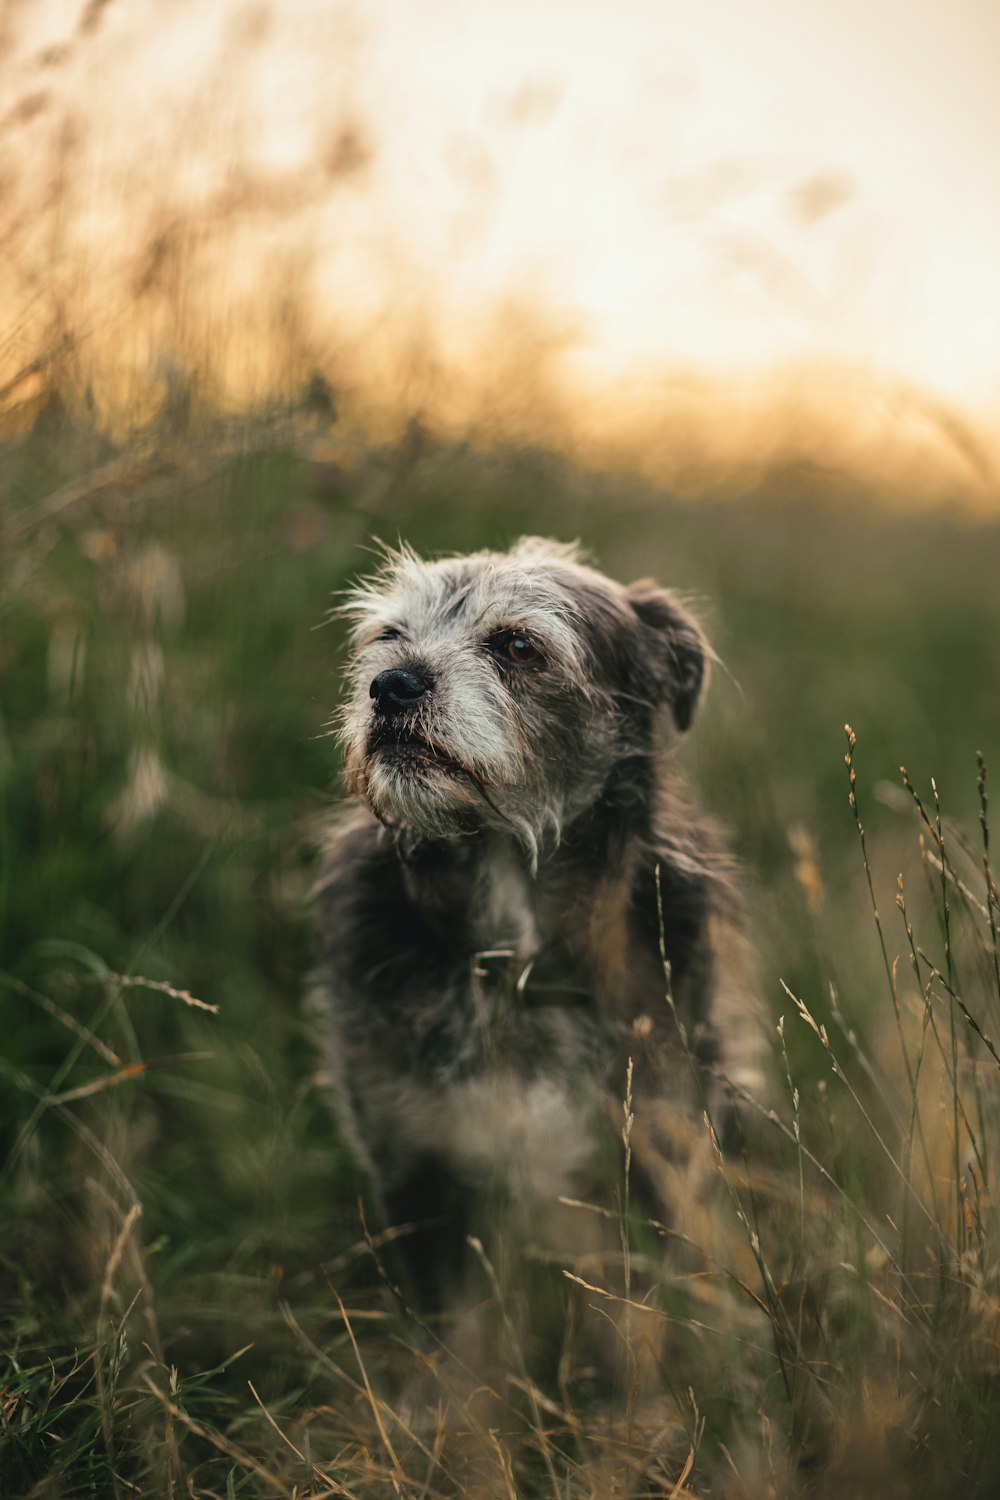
x,y
677,652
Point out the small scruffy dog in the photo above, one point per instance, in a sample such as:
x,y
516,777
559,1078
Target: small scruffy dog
x,y
490,919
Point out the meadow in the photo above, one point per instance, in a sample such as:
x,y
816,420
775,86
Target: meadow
x,y
192,1301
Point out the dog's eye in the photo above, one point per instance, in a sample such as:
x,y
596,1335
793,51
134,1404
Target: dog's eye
x,y
512,646
390,633
521,650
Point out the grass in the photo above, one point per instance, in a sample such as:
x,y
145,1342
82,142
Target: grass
x,y
191,1300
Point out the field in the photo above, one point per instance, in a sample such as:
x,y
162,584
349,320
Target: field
x,y
191,1301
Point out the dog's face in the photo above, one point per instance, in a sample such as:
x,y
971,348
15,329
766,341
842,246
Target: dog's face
x,y
503,689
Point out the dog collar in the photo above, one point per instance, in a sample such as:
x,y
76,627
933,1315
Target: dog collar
x,y
543,980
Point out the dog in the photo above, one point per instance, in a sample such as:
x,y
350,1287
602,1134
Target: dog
x,y
525,879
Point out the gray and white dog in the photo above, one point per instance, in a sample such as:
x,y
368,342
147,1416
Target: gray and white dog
x,y
491,918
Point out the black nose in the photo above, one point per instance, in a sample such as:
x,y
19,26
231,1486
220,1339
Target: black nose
x,y
398,689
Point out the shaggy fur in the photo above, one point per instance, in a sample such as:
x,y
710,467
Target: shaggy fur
x,y
490,916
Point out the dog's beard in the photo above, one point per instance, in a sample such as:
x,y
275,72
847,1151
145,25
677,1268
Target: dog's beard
x,y
417,787
411,785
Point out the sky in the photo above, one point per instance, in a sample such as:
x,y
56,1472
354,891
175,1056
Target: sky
x,y
631,209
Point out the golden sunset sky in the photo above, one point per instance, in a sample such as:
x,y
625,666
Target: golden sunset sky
x,y
666,216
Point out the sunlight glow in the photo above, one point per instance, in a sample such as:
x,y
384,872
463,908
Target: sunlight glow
x,y
632,196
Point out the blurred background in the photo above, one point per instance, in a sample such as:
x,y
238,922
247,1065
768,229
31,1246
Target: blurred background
x,y
711,288
698,242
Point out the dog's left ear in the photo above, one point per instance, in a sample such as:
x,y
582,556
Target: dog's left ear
x,y
676,650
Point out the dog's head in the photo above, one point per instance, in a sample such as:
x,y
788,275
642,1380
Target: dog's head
x,y
507,689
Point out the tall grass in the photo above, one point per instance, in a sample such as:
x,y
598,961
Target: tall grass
x,y
194,1297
